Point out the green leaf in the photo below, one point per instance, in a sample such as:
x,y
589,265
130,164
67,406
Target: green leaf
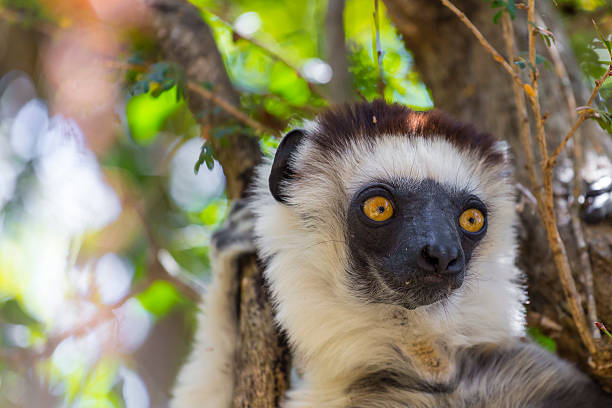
x,y
603,39
146,113
504,6
206,156
543,340
604,119
159,298
12,312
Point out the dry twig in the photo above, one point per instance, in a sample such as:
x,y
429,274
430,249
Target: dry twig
x,y
523,118
483,41
581,246
546,208
276,56
379,52
229,108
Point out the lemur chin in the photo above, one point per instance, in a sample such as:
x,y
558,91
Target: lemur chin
x,y
389,244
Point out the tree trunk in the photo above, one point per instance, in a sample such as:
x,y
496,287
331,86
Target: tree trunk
x,y
465,81
262,356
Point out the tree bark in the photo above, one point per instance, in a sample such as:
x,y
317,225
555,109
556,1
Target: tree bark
x,y
465,81
262,356
340,86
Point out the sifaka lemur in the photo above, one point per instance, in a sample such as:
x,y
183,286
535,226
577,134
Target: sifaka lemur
x,y
389,248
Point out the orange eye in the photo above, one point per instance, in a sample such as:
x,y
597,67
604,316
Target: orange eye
x,y
378,208
472,220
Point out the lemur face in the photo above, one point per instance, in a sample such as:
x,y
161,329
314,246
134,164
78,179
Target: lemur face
x,y
415,238
410,200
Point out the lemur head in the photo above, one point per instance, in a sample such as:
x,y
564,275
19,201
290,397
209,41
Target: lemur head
x,y
405,202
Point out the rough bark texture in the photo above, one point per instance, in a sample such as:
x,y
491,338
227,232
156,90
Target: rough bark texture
x,y
465,81
262,373
257,365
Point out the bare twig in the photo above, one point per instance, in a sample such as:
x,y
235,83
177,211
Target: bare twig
x,y
577,228
379,51
550,220
496,55
274,55
547,209
584,114
523,119
229,108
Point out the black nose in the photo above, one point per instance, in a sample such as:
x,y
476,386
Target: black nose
x,y
441,258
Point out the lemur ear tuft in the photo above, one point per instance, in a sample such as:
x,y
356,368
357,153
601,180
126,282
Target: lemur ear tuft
x,y
281,167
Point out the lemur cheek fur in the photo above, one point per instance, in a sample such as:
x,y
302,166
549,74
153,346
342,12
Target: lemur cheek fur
x,y
389,248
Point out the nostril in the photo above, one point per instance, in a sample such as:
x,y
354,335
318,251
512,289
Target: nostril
x,y
426,254
441,259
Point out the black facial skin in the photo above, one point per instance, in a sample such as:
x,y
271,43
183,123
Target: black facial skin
x,y
420,254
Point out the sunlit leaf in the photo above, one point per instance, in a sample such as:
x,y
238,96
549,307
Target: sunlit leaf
x,y
159,298
146,114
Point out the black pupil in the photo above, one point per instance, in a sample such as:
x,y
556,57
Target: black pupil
x,y
472,220
381,209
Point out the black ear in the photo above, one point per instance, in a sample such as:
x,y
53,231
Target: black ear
x,y
281,169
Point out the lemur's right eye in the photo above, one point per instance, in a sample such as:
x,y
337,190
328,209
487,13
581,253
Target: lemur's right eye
x,y
378,208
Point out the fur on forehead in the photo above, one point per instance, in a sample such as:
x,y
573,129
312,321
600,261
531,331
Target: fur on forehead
x,y
335,129
397,161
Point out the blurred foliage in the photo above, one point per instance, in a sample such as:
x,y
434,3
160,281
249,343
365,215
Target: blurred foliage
x,y
547,343
67,284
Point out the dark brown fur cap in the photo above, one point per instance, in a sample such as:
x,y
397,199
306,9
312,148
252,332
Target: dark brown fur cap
x,y
369,120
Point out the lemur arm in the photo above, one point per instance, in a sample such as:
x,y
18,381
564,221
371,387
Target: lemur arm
x,y
207,378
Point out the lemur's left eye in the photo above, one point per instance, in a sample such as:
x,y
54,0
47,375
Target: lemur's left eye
x,y
378,208
472,220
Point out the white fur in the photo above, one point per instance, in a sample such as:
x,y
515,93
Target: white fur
x,y
206,379
333,334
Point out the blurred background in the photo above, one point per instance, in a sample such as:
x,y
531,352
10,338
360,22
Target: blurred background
x,y
107,196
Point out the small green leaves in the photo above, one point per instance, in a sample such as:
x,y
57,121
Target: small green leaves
x,y
160,77
603,39
146,114
545,34
523,62
602,116
504,6
206,156
604,119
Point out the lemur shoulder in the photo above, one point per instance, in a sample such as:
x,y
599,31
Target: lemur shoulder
x,y
389,244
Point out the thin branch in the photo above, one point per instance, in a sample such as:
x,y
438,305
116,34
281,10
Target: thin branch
x,y
276,56
379,52
584,114
207,94
550,219
577,227
547,210
229,108
523,118
483,41
533,93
